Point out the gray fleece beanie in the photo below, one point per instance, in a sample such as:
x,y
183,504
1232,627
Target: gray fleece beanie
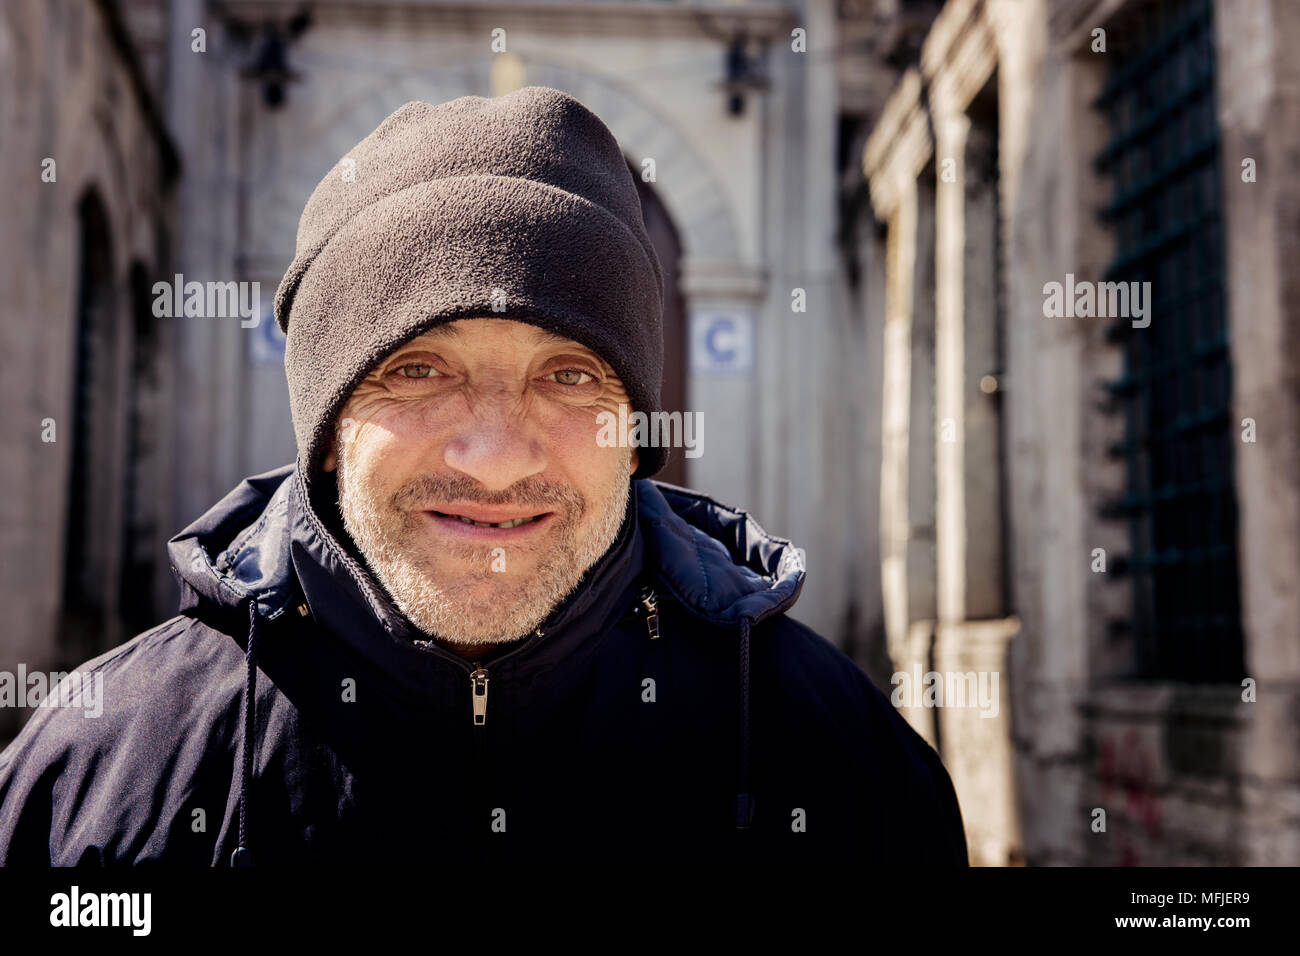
x,y
516,207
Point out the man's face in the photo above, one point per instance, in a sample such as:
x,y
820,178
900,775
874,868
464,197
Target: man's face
x,y
491,420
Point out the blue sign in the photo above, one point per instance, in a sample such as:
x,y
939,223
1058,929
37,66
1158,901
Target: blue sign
x,y
722,341
266,345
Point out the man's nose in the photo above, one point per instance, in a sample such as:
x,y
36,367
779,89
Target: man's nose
x,y
496,447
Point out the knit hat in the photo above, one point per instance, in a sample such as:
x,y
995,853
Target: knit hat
x,y
516,207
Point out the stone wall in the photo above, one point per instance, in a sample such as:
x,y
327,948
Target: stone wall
x,y
1186,774
71,93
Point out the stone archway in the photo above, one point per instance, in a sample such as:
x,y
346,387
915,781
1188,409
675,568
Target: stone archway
x,y
686,186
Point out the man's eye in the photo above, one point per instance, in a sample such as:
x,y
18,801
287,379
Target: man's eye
x,y
416,370
571,372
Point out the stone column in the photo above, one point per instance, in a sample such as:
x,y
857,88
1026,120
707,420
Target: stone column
x,y
969,507
950,229
907,463
1258,90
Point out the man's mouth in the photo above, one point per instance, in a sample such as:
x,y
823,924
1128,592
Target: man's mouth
x,y
508,523
493,519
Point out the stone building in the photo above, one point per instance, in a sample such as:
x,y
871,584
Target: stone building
x,y
86,475
1090,479
198,128
861,207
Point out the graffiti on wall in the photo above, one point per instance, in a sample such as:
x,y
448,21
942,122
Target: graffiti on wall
x,y
1126,770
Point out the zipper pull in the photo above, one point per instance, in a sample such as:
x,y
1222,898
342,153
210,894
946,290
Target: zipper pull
x,y
479,682
652,611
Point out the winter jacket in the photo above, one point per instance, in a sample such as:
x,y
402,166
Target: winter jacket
x,y
667,710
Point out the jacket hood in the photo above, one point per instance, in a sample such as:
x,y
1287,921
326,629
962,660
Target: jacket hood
x,y
265,548
713,559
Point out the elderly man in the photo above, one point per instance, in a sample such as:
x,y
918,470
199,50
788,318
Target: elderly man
x,y
463,625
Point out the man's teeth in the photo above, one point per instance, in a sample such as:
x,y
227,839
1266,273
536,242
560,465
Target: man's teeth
x,y
488,524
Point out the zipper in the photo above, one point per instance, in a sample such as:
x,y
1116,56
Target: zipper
x,y
651,722
651,603
478,680
478,674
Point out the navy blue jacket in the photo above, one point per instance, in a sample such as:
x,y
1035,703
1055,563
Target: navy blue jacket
x,y
668,710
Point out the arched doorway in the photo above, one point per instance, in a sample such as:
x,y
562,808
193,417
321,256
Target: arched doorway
x,y
88,535
667,244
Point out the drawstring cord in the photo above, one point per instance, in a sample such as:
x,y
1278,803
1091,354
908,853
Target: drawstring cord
x,y
744,799
243,856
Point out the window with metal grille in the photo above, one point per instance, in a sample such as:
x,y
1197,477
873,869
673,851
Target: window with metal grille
x,y
1175,391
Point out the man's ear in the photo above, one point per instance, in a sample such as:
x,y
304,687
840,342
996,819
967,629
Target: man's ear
x,y
344,429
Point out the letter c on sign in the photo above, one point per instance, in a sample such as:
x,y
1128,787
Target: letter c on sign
x,y
721,341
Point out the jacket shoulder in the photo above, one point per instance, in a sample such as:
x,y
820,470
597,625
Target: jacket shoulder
x,y
816,678
179,667
825,706
99,780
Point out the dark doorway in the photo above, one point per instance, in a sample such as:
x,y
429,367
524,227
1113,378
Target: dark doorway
x,y
88,539
663,234
141,536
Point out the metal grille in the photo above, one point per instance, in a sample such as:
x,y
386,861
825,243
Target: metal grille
x,y
1175,392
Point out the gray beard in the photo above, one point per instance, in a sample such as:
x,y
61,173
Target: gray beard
x,y
390,534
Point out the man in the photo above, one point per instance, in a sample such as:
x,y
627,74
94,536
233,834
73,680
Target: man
x,y
465,625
